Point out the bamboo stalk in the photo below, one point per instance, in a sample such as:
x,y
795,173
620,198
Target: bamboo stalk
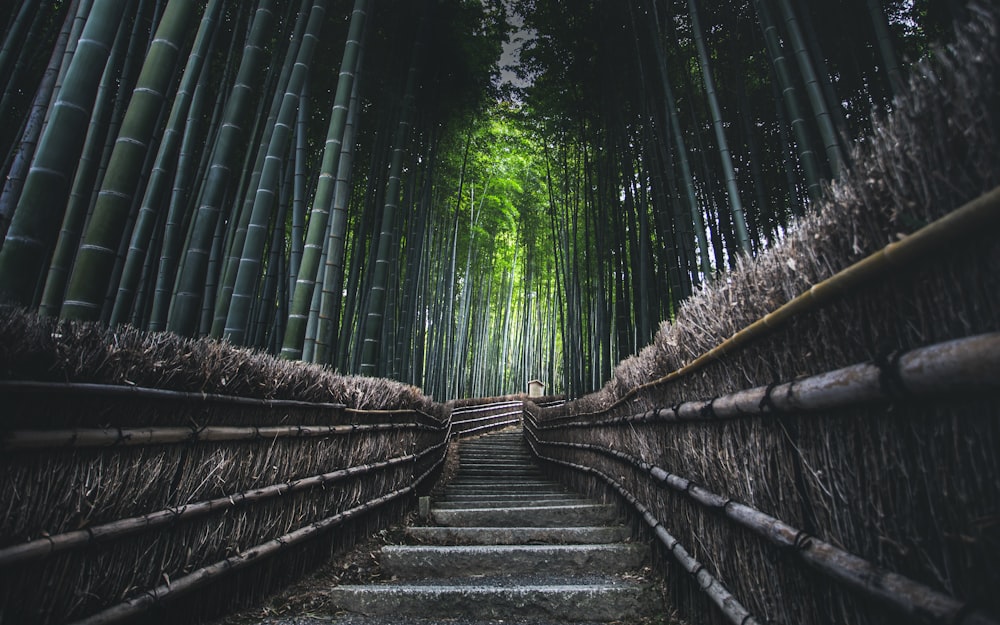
x,y
727,604
975,218
129,437
908,597
201,577
963,365
43,547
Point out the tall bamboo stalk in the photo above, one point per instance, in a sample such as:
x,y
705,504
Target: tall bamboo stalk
x,y
29,241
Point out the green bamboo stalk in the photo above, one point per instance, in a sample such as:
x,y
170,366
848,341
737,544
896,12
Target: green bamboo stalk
x,y
248,274
276,84
78,205
33,229
813,89
166,155
807,156
319,213
91,274
735,204
380,277
34,124
890,60
687,179
186,306
331,293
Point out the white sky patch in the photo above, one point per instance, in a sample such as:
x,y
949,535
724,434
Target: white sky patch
x,y
511,56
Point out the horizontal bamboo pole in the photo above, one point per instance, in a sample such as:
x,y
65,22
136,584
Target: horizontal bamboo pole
x,y
142,392
486,418
729,605
49,545
130,437
900,593
968,365
401,412
484,407
487,427
140,604
121,390
978,217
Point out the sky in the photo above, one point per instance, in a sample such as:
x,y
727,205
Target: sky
x,y
512,49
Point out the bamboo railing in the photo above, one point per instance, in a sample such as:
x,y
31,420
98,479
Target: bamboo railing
x,y
861,494
970,366
209,499
484,418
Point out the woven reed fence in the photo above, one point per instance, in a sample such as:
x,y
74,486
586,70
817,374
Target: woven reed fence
x,y
117,499
815,441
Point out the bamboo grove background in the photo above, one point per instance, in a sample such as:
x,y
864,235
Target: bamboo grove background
x,y
780,492
345,182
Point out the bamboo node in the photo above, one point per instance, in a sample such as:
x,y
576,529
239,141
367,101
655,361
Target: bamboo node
x,y
890,378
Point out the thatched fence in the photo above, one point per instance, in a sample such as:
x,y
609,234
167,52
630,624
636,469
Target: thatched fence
x,y
815,440
119,498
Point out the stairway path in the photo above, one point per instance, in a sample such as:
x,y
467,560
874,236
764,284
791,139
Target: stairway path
x,y
506,544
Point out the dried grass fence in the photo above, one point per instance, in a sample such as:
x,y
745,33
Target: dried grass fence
x,y
816,440
117,498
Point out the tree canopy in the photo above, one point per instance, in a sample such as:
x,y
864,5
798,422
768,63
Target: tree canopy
x,y
348,182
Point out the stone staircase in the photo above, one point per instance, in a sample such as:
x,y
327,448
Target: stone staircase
x,y
505,542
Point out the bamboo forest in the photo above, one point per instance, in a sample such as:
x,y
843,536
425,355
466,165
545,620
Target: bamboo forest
x,y
460,195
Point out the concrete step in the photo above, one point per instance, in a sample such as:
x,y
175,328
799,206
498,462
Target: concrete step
x,y
450,561
466,469
512,544
498,476
507,453
496,462
485,488
495,456
456,496
612,600
506,503
522,485
487,495
517,535
527,516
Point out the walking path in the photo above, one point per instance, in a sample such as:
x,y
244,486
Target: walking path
x,y
504,544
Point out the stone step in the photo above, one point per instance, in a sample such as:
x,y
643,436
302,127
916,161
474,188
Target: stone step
x,y
500,451
506,503
527,516
487,474
483,466
496,456
496,493
612,600
440,561
523,485
457,496
497,462
517,535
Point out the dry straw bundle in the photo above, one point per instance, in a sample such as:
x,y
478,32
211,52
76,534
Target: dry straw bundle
x,y
909,485
131,475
